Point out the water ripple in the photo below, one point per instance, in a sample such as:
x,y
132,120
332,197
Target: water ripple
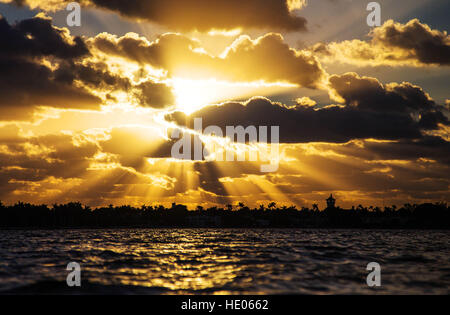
x,y
233,261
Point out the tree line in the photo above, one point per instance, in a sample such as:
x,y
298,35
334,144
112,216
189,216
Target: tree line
x,y
76,215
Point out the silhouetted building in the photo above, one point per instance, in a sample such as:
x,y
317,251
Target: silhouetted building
x,y
331,202
178,207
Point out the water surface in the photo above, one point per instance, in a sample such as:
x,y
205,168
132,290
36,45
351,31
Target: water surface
x,y
225,261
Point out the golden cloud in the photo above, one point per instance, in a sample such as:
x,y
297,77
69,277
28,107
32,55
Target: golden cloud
x,y
393,44
267,58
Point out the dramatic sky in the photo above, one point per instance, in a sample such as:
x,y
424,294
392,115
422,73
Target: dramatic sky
x,y
86,112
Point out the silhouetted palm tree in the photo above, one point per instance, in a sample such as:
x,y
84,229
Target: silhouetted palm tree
x,y
74,214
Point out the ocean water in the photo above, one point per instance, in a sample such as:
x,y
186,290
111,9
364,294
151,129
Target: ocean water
x,y
224,261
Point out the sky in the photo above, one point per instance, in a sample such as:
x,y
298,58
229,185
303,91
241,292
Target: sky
x,y
88,112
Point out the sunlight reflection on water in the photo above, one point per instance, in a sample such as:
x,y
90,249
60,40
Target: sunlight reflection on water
x,y
213,261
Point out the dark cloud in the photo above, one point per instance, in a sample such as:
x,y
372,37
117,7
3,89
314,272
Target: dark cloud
x,y
25,81
358,119
201,15
93,74
156,95
204,15
369,93
427,45
37,37
429,147
97,75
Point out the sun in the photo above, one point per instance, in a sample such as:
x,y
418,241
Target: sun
x,y
192,95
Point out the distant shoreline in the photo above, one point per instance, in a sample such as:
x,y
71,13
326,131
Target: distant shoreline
x,y
74,215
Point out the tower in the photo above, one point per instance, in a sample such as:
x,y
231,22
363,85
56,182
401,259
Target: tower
x,y
331,202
